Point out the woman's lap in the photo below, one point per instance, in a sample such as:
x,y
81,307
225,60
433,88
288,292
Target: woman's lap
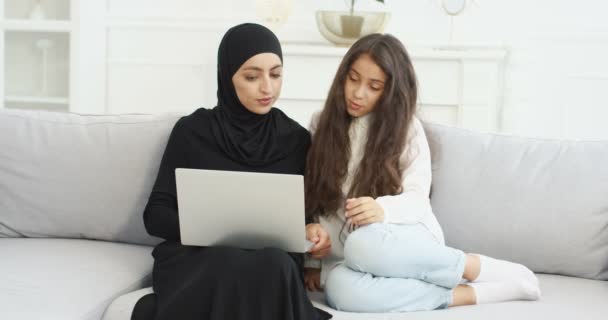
x,y
227,283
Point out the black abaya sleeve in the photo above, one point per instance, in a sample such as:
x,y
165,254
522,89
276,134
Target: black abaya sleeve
x,y
160,215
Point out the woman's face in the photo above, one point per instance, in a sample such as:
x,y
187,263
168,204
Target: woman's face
x,y
363,86
258,82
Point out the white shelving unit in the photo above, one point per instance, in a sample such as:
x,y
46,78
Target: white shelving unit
x,y
32,99
41,26
36,47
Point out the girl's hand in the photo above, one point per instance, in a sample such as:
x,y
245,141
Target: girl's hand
x,y
312,279
363,210
317,235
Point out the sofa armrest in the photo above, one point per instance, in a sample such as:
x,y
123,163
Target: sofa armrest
x,y
122,307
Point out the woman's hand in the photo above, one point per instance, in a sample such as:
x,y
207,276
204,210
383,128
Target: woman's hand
x,y
363,210
312,279
317,235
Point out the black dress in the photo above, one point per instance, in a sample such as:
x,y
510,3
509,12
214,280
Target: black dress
x,y
220,282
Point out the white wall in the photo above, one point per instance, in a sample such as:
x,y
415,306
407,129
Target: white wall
x,y
557,72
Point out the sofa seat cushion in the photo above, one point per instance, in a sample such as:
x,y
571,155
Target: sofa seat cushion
x,y
564,298
123,306
68,279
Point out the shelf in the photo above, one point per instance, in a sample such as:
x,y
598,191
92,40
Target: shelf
x,y
37,25
37,99
462,52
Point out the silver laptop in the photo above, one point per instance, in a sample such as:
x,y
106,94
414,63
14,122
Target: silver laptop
x,y
241,209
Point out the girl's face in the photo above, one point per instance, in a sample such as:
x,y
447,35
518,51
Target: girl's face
x,y
258,82
363,86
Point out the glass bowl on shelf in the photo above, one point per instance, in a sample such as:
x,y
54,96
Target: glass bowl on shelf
x,y
343,28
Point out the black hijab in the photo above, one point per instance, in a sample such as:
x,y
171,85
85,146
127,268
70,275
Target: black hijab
x,y
246,137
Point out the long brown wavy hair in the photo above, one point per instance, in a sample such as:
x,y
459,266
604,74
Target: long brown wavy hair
x,y
379,173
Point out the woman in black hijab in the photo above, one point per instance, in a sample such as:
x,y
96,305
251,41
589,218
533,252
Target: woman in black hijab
x,y
242,133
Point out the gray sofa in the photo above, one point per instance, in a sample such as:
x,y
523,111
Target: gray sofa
x,y
73,188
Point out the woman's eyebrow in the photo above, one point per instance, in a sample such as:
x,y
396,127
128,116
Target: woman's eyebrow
x,y
260,69
253,68
373,80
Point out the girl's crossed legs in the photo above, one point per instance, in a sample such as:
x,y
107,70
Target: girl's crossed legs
x,y
397,268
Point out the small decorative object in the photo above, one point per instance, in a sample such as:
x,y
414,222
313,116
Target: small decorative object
x,y
37,12
454,7
345,27
44,45
273,13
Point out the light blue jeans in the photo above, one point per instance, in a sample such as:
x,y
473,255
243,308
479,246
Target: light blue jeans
x,y
394,268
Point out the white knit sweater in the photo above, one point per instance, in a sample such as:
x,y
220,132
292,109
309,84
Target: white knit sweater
x,y
410,207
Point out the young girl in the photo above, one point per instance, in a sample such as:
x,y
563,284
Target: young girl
x,y
368,178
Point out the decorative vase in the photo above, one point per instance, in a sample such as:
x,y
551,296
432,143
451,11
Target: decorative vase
x,y
44,45
343,28
37,12
351,26
273,13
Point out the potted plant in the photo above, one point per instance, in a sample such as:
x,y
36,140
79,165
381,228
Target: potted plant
x,y
345,27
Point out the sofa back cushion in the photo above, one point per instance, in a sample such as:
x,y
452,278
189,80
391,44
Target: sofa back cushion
x,y
73,176
543,203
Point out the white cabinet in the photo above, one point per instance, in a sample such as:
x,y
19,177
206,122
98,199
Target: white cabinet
x,y
37,52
